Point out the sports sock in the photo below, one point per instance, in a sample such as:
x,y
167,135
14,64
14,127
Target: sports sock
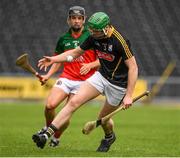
x,y
48,122
50,131
57,134
109,135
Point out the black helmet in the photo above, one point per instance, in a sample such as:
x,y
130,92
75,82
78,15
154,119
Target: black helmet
x,y
76,10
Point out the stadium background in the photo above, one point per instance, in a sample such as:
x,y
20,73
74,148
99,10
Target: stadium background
x,y
34,27
151,25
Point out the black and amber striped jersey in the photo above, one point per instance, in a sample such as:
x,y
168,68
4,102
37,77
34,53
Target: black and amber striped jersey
x,y
112,53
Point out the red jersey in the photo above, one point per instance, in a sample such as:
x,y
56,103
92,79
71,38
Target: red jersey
x,y
72,69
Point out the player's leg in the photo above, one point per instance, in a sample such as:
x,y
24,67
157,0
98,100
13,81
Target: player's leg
x,y
106,109
88,90
114,96
73,87
56,96
109,137
55,138
85,93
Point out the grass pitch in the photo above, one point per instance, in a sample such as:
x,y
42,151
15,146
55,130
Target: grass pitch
x,y
141,131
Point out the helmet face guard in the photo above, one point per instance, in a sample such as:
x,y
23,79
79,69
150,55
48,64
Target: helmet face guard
x,y
98,34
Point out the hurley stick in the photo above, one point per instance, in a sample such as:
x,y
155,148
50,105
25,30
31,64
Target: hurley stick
x,y
89,126
23,62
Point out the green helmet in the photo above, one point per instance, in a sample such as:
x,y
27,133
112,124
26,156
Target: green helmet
x,y
98,21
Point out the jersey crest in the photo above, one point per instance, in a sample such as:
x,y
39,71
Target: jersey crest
x,y
110,48
76,44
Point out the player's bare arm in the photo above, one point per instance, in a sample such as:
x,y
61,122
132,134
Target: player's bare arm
x,y
132,77
68,56
86,67
54,68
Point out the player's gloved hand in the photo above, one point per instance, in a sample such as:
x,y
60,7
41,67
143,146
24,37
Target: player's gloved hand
x,y
127,102
86,67
45,62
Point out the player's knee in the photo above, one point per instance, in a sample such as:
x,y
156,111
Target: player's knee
x,y
74,104
51,105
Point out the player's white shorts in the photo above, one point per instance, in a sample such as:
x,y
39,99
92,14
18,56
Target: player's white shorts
x,y
113,93
68,86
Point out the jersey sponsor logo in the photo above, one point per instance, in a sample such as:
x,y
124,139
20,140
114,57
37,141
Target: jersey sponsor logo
x,y
67,44
75,43
79,59
106,56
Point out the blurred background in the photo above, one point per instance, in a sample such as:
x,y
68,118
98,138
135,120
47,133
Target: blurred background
x,y
34,27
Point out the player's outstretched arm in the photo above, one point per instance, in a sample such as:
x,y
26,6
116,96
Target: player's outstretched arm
x,y
54,68
67,56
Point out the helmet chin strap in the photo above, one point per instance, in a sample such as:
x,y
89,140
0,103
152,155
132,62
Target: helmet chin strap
x,y
104,34
105,31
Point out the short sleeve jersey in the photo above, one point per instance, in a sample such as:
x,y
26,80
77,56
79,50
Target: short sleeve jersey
x,y
72,69
112,53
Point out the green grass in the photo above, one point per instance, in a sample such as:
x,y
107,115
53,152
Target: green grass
x,y
141,131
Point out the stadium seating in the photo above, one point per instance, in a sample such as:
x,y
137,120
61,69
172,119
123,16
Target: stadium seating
x,y
34,27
